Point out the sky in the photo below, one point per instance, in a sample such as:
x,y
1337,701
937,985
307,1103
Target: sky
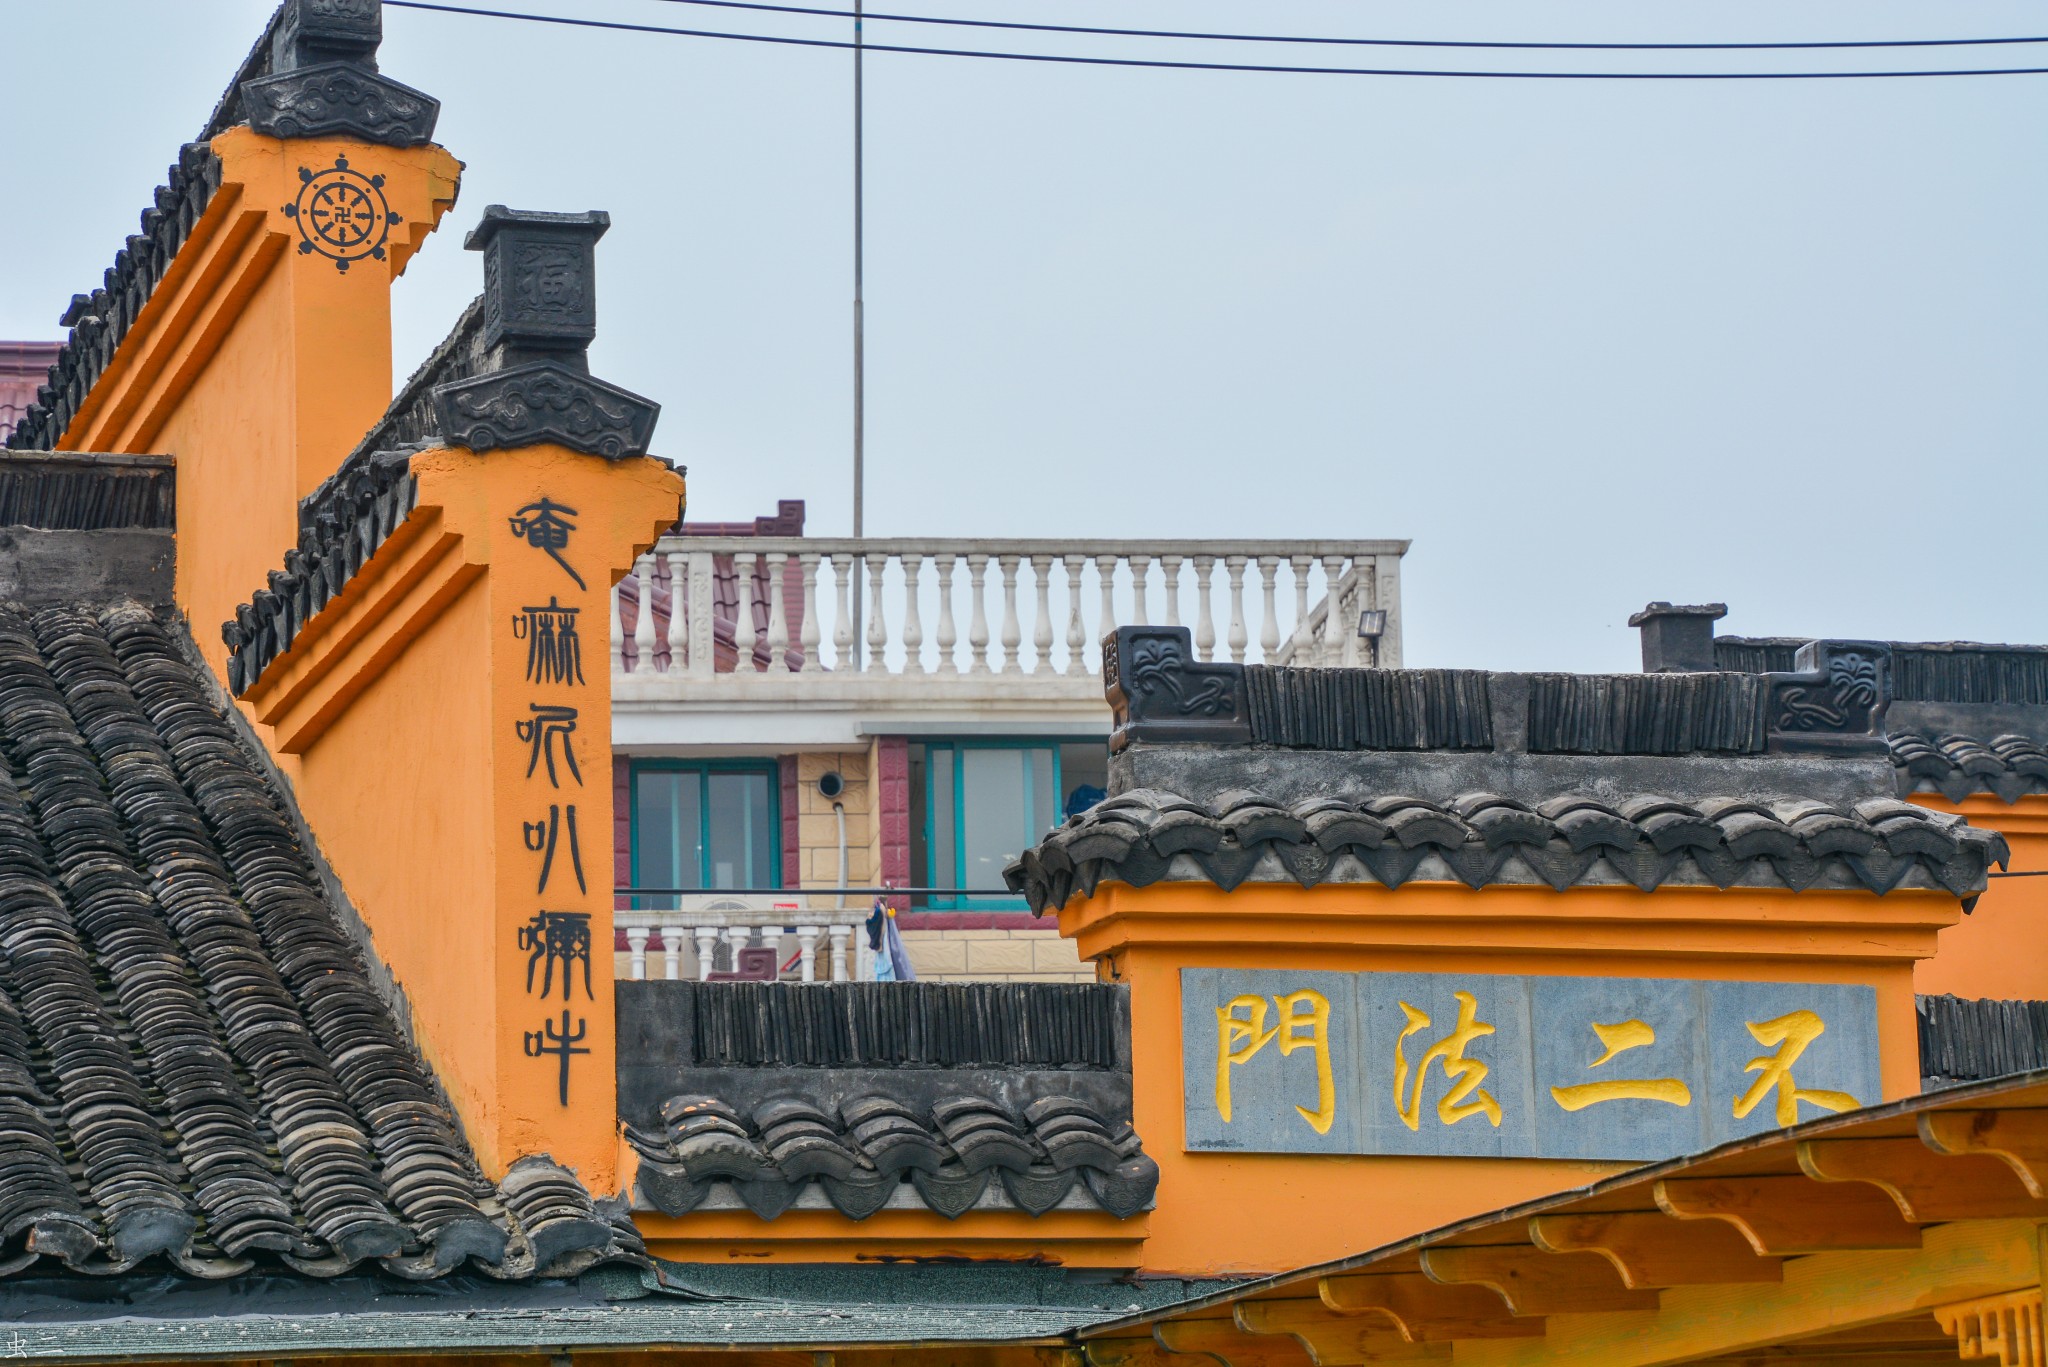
x,y
1585,343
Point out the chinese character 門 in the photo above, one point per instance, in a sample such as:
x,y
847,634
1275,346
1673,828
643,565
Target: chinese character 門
x,y
1304,1024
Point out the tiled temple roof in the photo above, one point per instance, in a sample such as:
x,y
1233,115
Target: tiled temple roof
x,y
1145,836
1228,774
872,1151
860,1096
1958,766
1966,717
194,1064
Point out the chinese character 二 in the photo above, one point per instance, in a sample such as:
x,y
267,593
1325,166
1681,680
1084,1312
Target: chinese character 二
x,y
545,526
1304,1024
549,724
1791,1033
1464,1074
1630,1034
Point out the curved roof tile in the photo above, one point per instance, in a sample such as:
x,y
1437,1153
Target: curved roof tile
x,y
1482,838
194,1065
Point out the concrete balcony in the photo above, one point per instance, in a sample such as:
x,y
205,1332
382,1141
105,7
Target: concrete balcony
x,y
801,642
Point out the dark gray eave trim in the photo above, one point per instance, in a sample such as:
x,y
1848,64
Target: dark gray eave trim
x,y
809,1328
673,1306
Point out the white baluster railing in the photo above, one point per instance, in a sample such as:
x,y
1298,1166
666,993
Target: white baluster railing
x,y
691,933
699,607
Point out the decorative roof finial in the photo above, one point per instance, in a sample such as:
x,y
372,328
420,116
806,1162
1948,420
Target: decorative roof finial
x,y
539,316
323,79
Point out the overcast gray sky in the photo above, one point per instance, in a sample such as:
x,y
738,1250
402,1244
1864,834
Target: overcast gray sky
x,y
1586,343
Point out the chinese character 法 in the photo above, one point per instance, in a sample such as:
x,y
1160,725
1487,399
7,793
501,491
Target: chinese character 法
x,y
1463,1074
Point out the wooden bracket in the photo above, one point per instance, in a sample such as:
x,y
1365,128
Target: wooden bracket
x,y
1533,1282
2006,1327
1650,1249
1422,1309
1137,1351
1930,1187
1333,1340
1788,1216
1224,1341
2019,1138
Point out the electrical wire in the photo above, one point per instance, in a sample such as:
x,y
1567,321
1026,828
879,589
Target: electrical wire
x,y
1070,60
1013,25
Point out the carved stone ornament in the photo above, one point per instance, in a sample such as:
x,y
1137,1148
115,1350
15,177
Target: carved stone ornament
x,y
1158,692
540,279
340,97
341,214
1835,700
545,402
311,31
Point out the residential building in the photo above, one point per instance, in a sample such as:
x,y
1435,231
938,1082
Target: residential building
x,y
910,713
24,368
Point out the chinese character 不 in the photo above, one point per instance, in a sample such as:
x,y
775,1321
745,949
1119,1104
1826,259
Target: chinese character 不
x,y
547,725
1630,1034
562,1043
1238,1038
1464,1074
1791,1033
542,526
557,937
540,837
554,648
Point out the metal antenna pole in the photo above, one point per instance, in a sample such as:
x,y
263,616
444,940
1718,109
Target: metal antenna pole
x,y
859,349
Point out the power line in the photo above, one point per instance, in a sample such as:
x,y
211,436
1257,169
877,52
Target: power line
x,y
755,5
1069,60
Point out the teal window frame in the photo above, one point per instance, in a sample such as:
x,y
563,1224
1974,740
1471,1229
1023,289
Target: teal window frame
x,y
953,749
703,768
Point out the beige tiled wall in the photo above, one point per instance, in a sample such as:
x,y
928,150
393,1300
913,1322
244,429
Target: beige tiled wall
x,y
817,829
999,955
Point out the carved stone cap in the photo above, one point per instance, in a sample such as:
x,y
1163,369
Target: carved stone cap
x,y
318,78
540,280
1678,638
591,223
1710,611
313,31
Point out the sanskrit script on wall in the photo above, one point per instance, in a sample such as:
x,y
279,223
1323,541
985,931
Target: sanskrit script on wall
x,y
1277,1061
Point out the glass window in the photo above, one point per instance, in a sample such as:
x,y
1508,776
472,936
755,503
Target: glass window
x,y
943,816
984,804
704,826
739,844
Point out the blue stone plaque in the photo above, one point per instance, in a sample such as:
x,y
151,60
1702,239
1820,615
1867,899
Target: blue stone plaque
x,y
1513,1066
